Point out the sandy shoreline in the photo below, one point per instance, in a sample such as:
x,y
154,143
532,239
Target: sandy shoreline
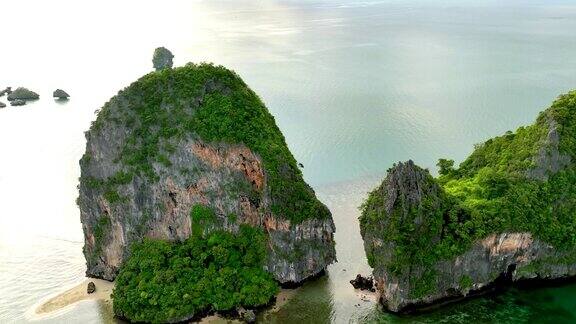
x,y
77,294
104,291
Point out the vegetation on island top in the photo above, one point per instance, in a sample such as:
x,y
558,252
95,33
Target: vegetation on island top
x,y
489,193
214,104
164,281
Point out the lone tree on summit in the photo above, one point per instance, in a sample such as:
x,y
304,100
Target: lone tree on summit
x,y
162,58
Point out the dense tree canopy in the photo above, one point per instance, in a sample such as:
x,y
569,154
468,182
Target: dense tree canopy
x,y
164,281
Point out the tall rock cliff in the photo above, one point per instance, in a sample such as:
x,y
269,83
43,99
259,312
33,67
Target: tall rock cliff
x,y
506,214
196,136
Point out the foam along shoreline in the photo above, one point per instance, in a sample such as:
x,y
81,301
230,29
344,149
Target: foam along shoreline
x,y
104,293
76,294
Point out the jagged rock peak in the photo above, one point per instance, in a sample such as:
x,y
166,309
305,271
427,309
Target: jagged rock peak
x,y
162,58
406,184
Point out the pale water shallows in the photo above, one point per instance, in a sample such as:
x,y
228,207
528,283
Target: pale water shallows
x,y
354,85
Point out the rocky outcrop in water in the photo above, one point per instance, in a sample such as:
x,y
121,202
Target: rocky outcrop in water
x,y
153,154
162,59
60,94
501,217
23,94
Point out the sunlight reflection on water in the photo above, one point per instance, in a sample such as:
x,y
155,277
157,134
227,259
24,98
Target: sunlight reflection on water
x,y
354,86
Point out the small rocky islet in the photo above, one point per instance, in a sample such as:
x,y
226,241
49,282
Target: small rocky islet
x,y
506,214
60,94
191,200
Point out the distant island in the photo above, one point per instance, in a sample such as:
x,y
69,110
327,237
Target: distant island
x,y
191,201
21,96
505,214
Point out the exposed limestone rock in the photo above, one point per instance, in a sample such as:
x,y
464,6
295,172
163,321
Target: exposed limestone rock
x,y
2,105
91,287
162,58
23,94
60,94
549,159
247,315
406,185
506,256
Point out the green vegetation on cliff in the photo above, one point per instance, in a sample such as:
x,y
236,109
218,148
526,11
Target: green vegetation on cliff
x,y
213,104
164,281
522,181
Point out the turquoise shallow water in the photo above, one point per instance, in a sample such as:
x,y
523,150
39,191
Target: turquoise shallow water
x,y
354,85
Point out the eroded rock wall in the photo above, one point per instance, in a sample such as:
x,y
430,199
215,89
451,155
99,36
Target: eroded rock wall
x,y
505,256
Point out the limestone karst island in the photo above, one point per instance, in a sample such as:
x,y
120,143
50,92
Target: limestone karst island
x,y
506,214
288,161
191,200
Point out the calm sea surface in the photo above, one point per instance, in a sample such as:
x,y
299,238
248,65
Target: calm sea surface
x,y
354,85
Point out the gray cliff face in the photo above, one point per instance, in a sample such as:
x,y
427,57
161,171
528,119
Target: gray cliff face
x,y
299,251
549,159
506,256
222,176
